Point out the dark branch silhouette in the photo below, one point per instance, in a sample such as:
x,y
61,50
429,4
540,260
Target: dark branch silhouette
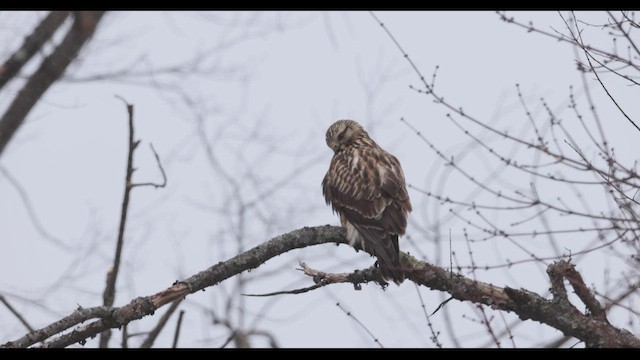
x,y
16,313
176,335
153,334
108,296
53,66
31,45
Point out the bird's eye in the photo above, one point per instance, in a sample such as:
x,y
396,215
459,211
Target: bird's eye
x,y
341,136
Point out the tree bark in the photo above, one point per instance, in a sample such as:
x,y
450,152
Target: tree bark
x,y
557,312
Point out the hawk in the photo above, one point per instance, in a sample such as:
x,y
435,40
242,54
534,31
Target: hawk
x,y
365,186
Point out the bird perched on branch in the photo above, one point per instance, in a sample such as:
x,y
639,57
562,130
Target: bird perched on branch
x,y
365,186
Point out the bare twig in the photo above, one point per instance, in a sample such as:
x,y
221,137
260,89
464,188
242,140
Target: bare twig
x,y
15,313
112,274
350,314
177,334
108,296
428,87
272,340
164,175
442,304
507,329
487,323
125,337
31,211
153,334
321,279
290,292
578,40
564,38
228,340
434,333
624,32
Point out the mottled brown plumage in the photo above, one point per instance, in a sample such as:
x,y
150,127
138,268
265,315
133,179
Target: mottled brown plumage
x,y
365,186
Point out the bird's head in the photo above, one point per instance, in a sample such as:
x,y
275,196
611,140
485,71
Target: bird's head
x,y
343,133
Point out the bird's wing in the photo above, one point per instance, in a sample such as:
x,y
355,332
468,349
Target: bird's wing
x,y
366,187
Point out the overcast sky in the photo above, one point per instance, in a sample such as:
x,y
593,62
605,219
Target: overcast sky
x,y
267,86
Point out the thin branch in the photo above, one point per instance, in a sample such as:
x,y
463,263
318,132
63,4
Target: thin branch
x,y
442,304
578,40
24,196
108,296
112,274
15,313
125,337
272,340
164,175
625,33
322,279
290,292
561,37
153,334
434,333
428,86
487,323
350,314
228,340
508,329
176,336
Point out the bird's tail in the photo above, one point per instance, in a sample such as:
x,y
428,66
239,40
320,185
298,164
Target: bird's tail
x,y
389,260
385,248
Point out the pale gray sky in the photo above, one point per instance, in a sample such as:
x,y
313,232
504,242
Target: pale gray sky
x,y
271,85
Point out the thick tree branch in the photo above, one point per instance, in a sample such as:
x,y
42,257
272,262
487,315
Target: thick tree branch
x,y
610,303
556,312
568,271
32,43
50,70
144,306
79,316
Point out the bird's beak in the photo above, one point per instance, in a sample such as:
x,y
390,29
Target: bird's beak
x,y
333,146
